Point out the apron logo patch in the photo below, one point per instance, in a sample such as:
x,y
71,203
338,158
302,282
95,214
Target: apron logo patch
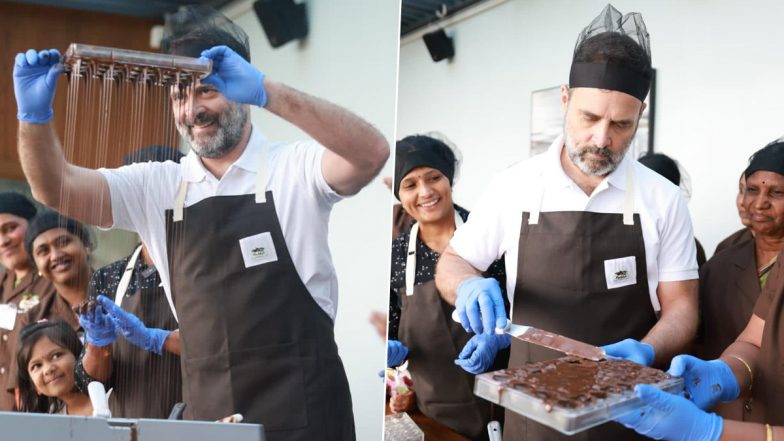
x,y
620,272
621,275
258,249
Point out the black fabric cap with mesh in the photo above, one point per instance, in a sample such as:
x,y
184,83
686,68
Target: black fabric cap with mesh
x,y
611,28
770,158
193,29
422,151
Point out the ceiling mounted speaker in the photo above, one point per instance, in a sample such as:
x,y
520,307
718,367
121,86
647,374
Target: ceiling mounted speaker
x,y
439,45
282,20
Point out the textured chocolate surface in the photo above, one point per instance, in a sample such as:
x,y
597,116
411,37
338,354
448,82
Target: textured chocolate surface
x,y
572,382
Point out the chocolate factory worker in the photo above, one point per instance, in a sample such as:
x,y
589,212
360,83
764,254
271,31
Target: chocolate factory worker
x,y
238,230
22,288
598,247
731,281
134,367
749,369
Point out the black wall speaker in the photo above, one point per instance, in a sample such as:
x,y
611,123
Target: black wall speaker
x,y
439,45
282,20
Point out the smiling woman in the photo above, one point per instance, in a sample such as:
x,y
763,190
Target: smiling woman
x,y
442,357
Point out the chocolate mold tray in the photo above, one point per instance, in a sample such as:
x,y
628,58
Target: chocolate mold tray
x,y
493,386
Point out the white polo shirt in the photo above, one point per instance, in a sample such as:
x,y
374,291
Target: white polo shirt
x,y
141,193
493,229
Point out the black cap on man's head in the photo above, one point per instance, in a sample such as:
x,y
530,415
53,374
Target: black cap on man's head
x,y
613,53
196,28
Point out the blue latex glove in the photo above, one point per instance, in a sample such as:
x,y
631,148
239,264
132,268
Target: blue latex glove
x,y
479,353
98,326
632,350
671,417
130,327
480,305
706,382
234,77
396,353
35,80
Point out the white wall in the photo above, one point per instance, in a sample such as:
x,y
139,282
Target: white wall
x,y
718,88
349,58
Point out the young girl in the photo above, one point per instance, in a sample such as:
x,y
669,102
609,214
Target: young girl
x,y
46,357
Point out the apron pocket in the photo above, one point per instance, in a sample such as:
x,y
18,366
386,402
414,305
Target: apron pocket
x,y
462,417
269,386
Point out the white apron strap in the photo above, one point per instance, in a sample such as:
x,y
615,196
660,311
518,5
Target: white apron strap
x,y
262,175
125,280
411,258
533,216
628,199
179,201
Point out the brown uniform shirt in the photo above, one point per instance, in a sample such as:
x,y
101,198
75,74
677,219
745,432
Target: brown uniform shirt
x,y
30,297
768,388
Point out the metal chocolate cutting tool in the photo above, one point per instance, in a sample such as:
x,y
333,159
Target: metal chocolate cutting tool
x,y
549,340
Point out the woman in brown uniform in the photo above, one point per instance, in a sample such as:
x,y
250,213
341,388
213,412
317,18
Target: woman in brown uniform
x,y
421,326
731,281
60,248
22,289
750,368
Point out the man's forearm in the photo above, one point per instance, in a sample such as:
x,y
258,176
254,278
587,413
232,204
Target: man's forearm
x,y
97,362
677,325
42,160
74,191
450,272
360,147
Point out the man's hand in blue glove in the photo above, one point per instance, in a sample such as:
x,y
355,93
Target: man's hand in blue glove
x,y
671,417
632,350
130,327
234,77
480,305
706,382
396,353
98,326
35,80
479,353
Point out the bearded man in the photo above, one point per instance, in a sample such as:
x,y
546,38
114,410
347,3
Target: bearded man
x,y
238,230
598,247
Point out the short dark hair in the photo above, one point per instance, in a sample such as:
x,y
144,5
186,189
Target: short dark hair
x,y
61,334
614,48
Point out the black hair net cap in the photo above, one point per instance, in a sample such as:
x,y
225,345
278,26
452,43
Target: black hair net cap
x,y
16,204
195,28
153,153
663,165
49,219
769,158
613,52
422,151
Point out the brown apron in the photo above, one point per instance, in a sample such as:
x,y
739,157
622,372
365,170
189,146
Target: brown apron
x,y
444,391
562,286
31,292
253,339
767,405
146,385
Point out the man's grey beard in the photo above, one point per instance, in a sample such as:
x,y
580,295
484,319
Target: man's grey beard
x,y
593,168
231,124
